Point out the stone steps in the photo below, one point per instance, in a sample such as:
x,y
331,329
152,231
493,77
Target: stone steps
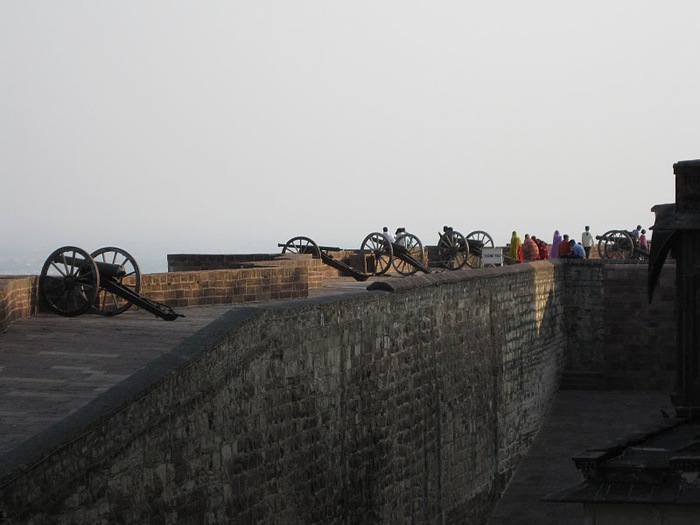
x,y
582,380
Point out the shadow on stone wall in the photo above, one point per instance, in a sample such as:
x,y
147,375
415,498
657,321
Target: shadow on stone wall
x,y
414,406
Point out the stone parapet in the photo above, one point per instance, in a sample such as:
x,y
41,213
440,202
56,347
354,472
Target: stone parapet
x,y
18,298
198,262
226,286
376,407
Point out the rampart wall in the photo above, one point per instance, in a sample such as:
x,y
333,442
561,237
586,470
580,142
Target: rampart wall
x,y
612,328
415,405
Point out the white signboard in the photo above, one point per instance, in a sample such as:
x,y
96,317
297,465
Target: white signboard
x,y
491,256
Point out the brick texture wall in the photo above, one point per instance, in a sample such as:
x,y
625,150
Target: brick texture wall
x,y
317,271
411,406
226,286
18,299
19,296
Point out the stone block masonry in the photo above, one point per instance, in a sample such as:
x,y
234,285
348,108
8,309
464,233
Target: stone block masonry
x,y
411,406
613,330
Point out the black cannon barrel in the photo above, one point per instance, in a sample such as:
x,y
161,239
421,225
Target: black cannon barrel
x,y
105,268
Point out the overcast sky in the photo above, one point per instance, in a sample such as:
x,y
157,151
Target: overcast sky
x,y
227,127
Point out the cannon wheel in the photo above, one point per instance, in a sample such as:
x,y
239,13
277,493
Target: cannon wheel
x,y
302,245
69,281
376,244
453,250
415,250
615,244
108,303
474,260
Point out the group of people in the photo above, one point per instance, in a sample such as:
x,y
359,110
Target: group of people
x,y
533,248
639,236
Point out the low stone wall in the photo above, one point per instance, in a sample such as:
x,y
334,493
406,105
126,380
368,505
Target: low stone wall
x,y
317,271
18,299
19,296
226,286
411,406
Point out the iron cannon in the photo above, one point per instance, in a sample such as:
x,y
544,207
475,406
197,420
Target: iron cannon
x,y
106,282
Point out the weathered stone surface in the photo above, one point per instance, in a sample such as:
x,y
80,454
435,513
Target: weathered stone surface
x,y
391,407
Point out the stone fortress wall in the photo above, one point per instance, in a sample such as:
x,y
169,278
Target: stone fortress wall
x,y
412,405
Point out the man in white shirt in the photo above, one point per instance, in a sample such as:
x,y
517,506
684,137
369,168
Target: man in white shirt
x,y
387,234
587,241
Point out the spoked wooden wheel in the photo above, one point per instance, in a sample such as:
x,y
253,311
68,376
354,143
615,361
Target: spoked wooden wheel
x,y
414,248
376,245
302,245
616,244
453,250
478,241
108,303
69,281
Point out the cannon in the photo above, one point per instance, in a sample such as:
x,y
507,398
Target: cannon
x,y
455,250
405,254
619,244
105,282
305,245
477,241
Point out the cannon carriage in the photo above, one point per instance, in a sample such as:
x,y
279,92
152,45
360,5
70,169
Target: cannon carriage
x,y
106,282
405,254
305,245
619,244
455,250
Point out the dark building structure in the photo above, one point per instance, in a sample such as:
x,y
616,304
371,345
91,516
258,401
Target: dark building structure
x,y
655,478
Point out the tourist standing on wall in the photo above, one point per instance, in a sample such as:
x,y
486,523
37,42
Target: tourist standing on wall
x,y
635,233
587,241
643,245
515,250
530,250
556,242
542,247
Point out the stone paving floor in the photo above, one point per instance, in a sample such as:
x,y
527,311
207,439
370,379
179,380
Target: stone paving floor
x,y
50,366
578,419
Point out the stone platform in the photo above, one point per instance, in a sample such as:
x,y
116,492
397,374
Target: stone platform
x,y
51,366
577,421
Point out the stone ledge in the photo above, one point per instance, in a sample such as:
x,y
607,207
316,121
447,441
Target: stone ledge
x,y
402,284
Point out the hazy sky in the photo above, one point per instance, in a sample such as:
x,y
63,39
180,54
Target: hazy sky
x,y
227,127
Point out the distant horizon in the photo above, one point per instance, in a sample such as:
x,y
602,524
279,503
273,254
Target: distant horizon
x,y
154,259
